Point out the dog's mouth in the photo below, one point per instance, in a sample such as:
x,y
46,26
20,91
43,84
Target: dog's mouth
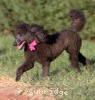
x,y
21,45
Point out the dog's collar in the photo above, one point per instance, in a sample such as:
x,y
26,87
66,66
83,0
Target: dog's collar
x,y
32,45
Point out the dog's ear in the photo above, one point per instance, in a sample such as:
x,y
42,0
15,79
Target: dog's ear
x,y
41,35
39,32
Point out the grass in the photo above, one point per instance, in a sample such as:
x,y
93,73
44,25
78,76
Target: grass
x,y
63,80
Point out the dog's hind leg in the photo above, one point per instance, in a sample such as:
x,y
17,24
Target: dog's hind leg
x,y
45,68
74,61
82,59
23,68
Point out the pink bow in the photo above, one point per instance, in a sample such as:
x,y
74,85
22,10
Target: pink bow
x,y
32,45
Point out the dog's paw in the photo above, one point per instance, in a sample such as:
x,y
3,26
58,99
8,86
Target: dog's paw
x,y
17,78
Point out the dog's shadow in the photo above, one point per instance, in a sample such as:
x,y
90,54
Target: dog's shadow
x,y
56,71
93,62
3,51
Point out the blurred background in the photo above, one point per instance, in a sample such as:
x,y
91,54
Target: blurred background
x,y
52,14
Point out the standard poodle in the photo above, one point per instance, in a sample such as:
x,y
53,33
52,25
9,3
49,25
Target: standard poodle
x,y
43,48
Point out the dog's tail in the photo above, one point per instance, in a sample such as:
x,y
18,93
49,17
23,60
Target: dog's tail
x,y
78,20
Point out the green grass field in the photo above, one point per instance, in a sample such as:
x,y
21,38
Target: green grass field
x,y
63,79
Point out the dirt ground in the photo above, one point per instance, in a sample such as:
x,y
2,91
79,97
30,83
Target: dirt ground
x,y
11,90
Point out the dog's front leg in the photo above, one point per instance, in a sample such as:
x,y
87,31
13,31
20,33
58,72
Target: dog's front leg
x,y
45,69
23,68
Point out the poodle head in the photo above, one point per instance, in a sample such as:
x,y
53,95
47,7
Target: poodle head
x,y
26,34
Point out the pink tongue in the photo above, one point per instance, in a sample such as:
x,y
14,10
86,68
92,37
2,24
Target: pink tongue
x,y
21,46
